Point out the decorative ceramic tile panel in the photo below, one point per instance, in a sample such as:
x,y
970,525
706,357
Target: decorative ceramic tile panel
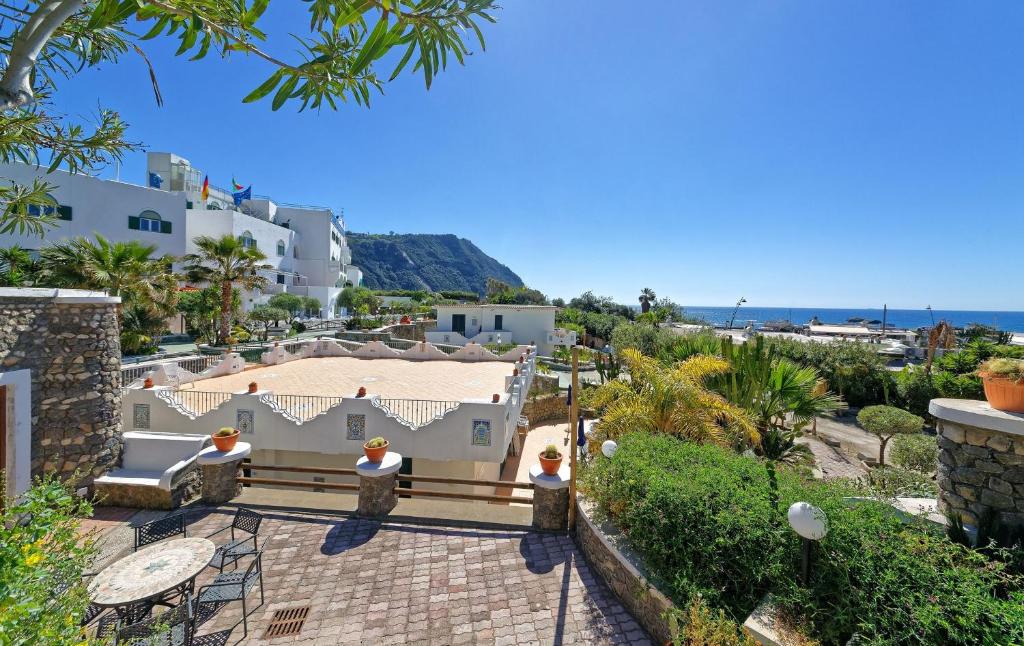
x,y
245,421
356,424
140,416
481,432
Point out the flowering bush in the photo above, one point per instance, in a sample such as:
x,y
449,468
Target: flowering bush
x,y
42,597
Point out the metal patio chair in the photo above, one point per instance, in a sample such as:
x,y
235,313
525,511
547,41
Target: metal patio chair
x,y
235,586
246,521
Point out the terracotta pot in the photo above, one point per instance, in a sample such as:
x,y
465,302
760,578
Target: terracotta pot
x,y
495,397
148,383
253,387
1004,394
225,442
515,372
550,465
522,358
376,454
361,392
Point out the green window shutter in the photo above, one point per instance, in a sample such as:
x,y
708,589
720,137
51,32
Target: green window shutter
x,y
165,226
133,222
64,212
188,204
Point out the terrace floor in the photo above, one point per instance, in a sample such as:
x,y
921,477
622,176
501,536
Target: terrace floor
x,y
368,582
389,378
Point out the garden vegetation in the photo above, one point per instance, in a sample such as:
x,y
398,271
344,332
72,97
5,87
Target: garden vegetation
x,y
710,526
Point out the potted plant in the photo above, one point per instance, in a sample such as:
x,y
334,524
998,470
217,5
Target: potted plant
x,y
375,449
224,439
361,392
550,460
253,387
1003,379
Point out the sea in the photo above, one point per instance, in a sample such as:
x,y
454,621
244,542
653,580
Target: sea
x,y
911,319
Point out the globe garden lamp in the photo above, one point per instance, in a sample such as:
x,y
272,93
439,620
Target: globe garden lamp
x,y
609,447
811,524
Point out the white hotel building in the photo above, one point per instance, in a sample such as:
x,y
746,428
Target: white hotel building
x,y
304,244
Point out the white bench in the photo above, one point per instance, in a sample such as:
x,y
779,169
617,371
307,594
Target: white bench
x,y
158,471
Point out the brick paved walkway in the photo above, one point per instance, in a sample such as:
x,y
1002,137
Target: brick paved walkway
x,y
392,583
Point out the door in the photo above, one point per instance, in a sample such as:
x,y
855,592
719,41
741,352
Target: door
x,y
405,469
459,323
498,321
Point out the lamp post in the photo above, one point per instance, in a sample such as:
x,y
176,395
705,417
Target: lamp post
x,y
811,524
609,447
736,309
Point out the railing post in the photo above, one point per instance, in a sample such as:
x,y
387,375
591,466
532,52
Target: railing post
x,y
220,472
550,499
377,485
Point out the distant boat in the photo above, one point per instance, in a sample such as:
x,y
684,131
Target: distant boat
x,y
855,319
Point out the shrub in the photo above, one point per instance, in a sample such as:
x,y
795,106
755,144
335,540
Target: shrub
x,y
914,389
897,482
886,422
42,597
702,626
701,517
915,452
853,370
704,522
651,341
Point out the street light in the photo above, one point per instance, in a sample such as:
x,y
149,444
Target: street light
x,y
811,524
736,309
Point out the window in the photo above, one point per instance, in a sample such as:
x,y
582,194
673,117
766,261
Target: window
x,y
498,320
280,248
247,240
280,279
62,212
149,221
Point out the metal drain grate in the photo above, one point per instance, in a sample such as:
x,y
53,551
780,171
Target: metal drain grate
x,y
287,622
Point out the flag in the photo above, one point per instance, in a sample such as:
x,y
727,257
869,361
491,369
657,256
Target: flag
x,y
205,194
155,180
237,186
242,195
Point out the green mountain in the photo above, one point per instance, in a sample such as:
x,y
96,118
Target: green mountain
x,y
425,261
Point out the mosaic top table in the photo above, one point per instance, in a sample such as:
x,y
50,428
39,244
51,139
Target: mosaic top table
x,y
151,572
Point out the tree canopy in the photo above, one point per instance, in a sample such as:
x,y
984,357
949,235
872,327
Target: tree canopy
x,y
44,41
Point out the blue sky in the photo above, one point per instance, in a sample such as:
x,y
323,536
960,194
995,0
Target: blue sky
x,y
796,153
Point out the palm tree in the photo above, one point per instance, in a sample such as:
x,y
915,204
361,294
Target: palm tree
x,y
125,269
673,400
14,258
647,296
225,262
15,266
780,396
941,336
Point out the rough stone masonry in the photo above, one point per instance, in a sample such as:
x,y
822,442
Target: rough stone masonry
x,y
69,341
981,461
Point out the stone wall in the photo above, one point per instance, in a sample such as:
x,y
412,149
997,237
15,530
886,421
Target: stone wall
x,y
546,408
69,341
981,461
618,568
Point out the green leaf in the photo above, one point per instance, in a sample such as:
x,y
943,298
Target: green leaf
x,y
405,60
284,92
265,88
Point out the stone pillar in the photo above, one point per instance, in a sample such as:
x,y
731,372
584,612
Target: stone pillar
x,y
68,339
377,485
220,472
981,460
550,499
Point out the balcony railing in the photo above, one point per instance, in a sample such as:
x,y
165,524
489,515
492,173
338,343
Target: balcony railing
x,y
414,413
300,408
